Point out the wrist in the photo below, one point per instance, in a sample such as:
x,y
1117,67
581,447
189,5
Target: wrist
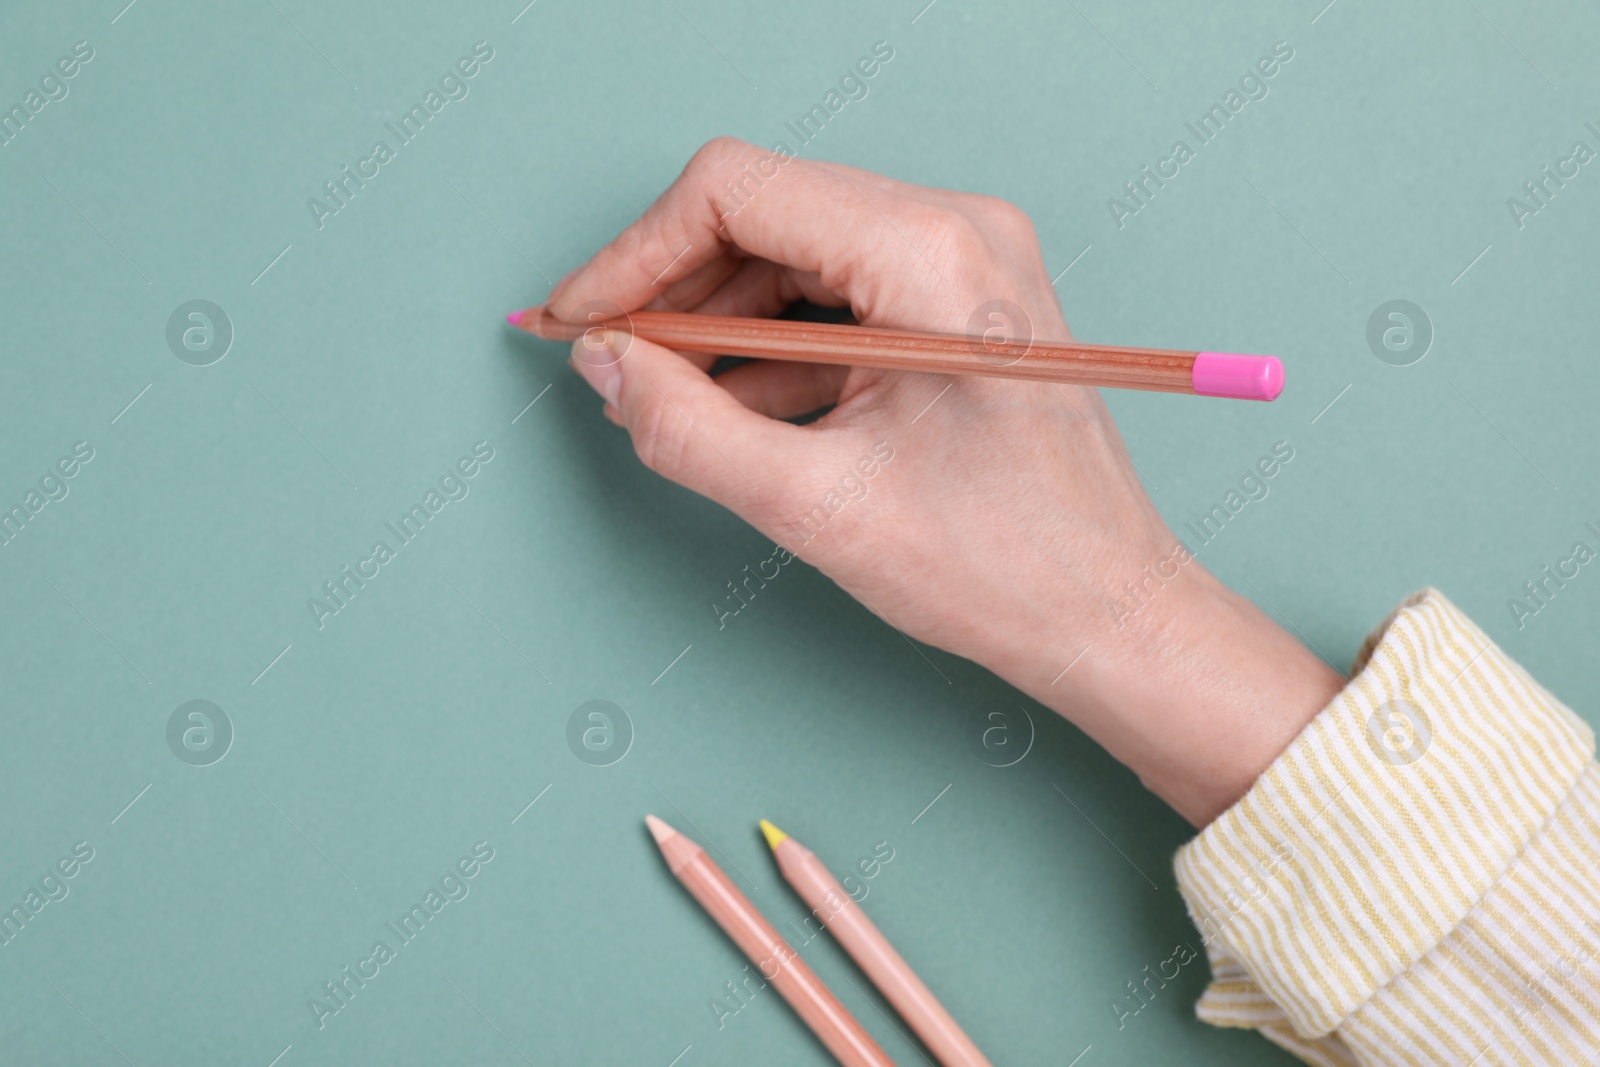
x,y
1197,692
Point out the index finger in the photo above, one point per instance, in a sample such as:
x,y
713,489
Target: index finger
x,y
736,199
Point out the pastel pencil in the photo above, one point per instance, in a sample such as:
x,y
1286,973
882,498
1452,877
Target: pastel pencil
x,y
1223,374
842,916
834,1026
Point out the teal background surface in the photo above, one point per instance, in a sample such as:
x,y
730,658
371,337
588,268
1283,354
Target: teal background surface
x,y
369,355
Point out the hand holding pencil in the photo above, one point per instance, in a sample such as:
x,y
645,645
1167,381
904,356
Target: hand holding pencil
x,y
1001,520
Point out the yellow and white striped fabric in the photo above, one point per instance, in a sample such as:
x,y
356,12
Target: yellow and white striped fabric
x,y
1416,880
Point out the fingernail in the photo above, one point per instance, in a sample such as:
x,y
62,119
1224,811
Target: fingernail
x,y
595,357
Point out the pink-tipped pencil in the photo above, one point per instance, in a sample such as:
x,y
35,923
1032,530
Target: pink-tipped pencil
x,y
840,914
1163,370
835,1027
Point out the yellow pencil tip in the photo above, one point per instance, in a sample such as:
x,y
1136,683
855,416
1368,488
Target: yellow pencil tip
x,y
774,836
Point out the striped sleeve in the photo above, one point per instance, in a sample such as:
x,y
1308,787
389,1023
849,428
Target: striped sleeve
x,y
1416,880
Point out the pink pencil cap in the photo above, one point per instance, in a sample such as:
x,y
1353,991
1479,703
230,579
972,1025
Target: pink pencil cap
x,y
1238,377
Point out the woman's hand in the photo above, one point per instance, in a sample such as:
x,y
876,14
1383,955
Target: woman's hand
x,y
997,519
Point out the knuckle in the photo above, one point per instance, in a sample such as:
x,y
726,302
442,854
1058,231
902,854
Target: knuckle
x,y
719,155
1003,218
923,226
955,237
661,249
1012,219
658,437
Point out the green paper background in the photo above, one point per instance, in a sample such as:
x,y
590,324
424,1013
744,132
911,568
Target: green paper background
x,y
425,717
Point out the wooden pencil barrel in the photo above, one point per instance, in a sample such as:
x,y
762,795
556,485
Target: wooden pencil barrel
x,y
1152,369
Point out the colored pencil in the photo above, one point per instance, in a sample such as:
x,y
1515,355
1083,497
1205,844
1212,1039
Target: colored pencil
x,y
1223,374
835,1027
842,916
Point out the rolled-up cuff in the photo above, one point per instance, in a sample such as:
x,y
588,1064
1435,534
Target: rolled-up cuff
x,y
1381,826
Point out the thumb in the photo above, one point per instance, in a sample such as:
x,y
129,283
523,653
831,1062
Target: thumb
x,y
688,428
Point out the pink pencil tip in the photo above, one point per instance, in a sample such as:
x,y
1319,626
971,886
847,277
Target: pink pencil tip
x,y
515,318
658,829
